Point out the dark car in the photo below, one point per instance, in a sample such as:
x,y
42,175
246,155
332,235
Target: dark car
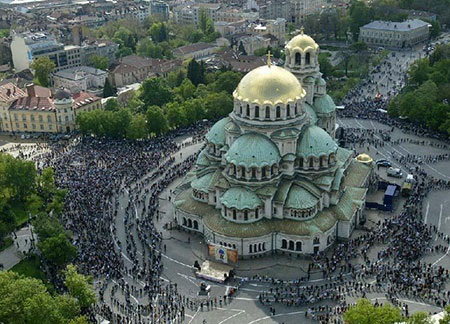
x,y
384,163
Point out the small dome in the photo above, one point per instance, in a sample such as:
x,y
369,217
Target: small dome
x,y
364,158
240,198
302,42
202,160
324,105
300,198
62,94
311,113
315,142
269,85
231,127
321,82
253,150
216,134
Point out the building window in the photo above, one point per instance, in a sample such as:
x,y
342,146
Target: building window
x,y
297,58
24,117
288,111
234,214
284,244
33,126
267,112
278,112
25,126
298,246
17,125
307,59
32,117
49,118
50,127
291,245
246,215
316,240
41,127
256,112
40,119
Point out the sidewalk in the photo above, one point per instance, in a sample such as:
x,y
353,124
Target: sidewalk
x,y
15,253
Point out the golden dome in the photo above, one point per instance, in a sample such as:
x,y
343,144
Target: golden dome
x,y
269,84
302,42
364,158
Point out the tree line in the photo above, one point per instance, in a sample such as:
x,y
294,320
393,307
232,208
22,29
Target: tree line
x,y
162,104
426,98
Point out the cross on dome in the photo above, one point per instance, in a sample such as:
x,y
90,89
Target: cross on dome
x,y
269,62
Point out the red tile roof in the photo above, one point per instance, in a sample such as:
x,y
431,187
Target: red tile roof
x,y
33,103
10,92
83,98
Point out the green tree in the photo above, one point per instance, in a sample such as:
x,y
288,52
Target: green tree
x,y
155,91
42,67
135,105
218,105
47,226
366,313
79,286
193,110
108,89
58,249
138,127
418,73
99,62
112,105
185,91
156,121
195,72
227,81
175,115
446,319
125,38
420,318
17,177
360,14
26,300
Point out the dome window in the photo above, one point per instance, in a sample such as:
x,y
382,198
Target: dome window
x,y
267,112
248,111
307,59
278,112
288,111
256,112
297,58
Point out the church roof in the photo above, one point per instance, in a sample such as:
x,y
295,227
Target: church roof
x,y
269,85
324,105
240,198
253,150
205,182
315,142
232,127
338,178
216,134
351,200
300,198
311,113
202,159
356,173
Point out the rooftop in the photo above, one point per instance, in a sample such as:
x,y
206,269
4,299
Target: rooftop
x,y
396,26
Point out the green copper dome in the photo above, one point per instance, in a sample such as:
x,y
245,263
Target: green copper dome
x,y
240,198
324,105
253,150
216,134
311,113
316,142
202,160
300,198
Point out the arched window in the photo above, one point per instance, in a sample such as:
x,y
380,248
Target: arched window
x,y
301,163
250,250
184,221
298,246
256,112
257,213
291,245
264,246
259,247
316,240
248,111
298,59
307,59
296,109
195,225
253,172
240,111
234,246
273,169
246,215
234,214
278,112
284,244
288,111
190,223
267,112
263,171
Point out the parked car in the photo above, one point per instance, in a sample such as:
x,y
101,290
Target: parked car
x,y
384,163
394,172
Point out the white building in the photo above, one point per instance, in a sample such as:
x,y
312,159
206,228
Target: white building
x,y
83,78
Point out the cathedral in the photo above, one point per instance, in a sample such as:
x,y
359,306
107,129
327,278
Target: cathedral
x,y
272,177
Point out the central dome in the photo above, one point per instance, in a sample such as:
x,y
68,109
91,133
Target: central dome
x,y
269,85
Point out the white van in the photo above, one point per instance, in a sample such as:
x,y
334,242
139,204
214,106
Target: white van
x,y
394,172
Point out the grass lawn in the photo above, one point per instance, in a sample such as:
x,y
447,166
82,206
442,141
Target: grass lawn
x,y
21,214
29,267
7,242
